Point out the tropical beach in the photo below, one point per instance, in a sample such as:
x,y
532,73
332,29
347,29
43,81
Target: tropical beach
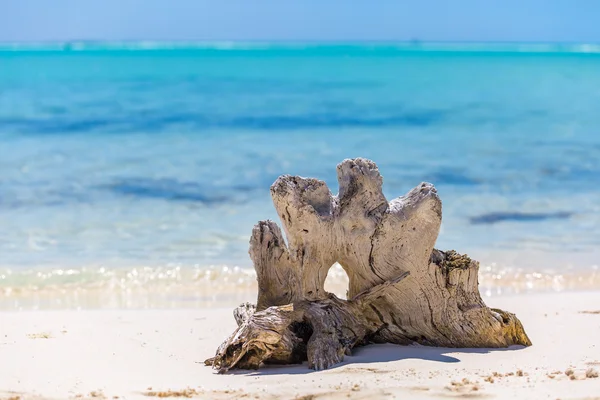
x,y
409,203
125,253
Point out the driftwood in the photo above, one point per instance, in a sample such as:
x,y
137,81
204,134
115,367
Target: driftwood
x,y
401,289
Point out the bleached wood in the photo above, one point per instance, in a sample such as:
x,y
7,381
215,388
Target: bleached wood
x,y
401,289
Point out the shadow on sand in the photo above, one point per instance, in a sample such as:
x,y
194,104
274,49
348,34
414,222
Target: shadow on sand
x,y
378,353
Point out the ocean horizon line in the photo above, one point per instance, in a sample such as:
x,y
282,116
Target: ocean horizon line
x,y
260,45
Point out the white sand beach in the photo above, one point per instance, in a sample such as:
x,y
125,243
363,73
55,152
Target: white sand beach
x,y
129,354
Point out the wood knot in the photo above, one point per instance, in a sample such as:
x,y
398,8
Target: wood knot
x,y
449,260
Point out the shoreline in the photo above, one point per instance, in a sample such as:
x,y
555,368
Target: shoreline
x,y
225,286
141,354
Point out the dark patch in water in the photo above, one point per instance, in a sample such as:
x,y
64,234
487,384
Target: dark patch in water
x,y
492,218
570,174
55,125
48,194
147,121
54,110
169,189
450,177
244,188
423,118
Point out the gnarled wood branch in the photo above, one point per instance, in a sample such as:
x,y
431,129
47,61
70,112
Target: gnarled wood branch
x,y
401,289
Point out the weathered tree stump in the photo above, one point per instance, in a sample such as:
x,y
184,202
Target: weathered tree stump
x,y
401,289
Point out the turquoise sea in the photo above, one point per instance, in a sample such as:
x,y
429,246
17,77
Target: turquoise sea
x,y
127,165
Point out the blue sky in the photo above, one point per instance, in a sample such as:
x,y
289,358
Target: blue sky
x,y
336,20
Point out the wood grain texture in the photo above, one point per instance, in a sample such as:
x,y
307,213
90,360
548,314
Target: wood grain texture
x,y
401,289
